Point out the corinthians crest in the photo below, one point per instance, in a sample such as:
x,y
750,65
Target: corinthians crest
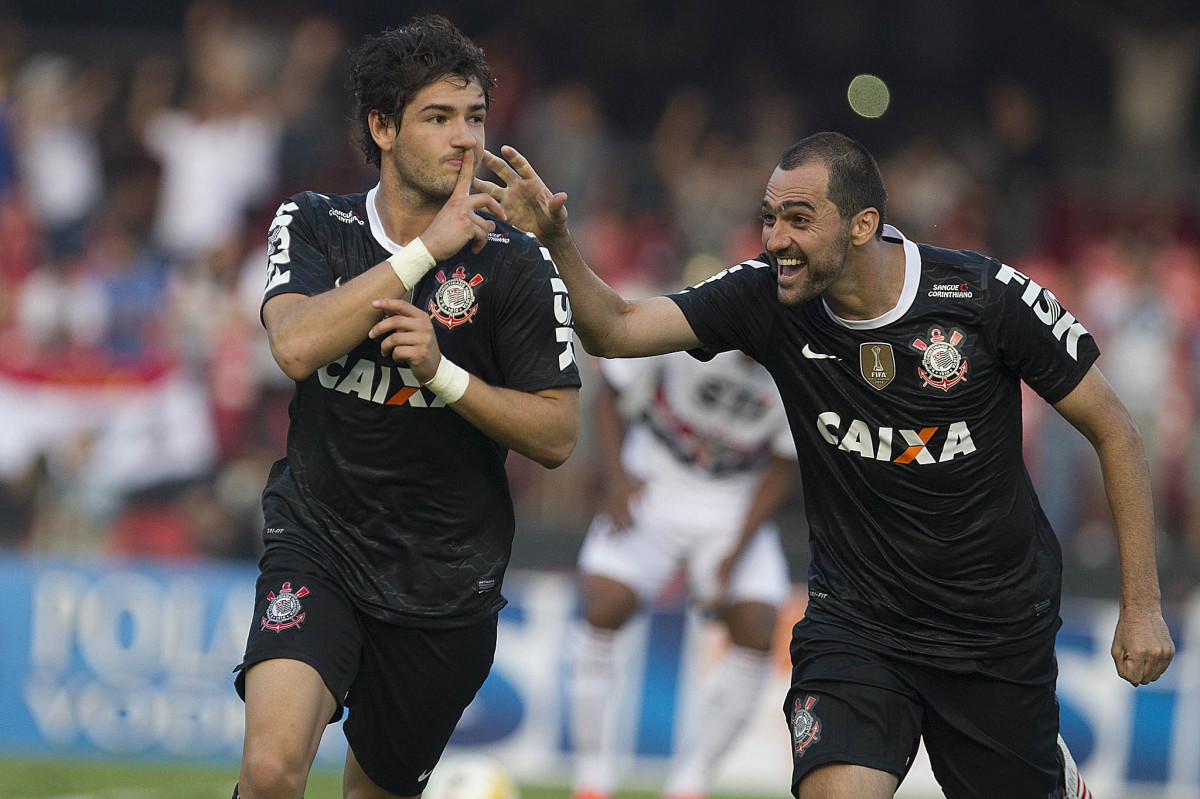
x,y
283,609
455,303
806,727
942,365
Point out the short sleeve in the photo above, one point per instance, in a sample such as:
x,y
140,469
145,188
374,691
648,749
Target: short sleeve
x,y
732,310
534,333
1039,340
295,262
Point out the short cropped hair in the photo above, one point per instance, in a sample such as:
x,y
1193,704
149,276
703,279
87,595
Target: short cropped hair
x,y
855,182
391,67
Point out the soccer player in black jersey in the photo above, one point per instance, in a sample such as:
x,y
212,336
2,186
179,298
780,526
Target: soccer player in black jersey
x,y
427,337
934,586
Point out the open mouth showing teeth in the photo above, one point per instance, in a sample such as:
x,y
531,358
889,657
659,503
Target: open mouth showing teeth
x,y
788,266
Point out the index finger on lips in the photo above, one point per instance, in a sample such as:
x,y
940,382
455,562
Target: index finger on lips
x,y
465,172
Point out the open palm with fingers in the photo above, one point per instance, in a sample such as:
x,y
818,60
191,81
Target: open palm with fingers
x,y
526,200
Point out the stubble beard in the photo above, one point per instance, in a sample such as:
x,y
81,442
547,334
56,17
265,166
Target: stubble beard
x,y
421,179
820,275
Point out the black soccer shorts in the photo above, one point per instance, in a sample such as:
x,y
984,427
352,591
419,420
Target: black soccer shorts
x,y
405,687
990,730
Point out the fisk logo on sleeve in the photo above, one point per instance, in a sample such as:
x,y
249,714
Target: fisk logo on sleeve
x,y
1046,308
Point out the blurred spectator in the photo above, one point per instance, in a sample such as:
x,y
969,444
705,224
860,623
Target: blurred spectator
x,y
927,190
56,109
1154,52
1011,161
567,131
713,191
219,151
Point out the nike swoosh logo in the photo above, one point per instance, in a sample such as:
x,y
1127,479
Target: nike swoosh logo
x,y
425,776
807,352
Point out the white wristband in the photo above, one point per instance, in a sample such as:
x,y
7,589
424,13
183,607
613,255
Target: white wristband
x,y
449,381
412,262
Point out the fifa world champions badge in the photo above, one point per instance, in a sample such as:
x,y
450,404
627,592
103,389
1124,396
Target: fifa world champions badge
x,y
284,609
806,727
455,302
942,364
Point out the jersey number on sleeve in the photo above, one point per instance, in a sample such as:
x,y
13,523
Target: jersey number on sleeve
x,y
279,239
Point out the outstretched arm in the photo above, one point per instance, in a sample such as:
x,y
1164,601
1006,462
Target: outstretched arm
x,y
607,324
1142,646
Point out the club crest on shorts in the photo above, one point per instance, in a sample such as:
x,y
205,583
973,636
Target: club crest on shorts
x,y
942,364
877,363
283,609
455,302
806,727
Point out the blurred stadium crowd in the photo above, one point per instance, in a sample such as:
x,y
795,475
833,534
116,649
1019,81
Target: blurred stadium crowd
x,y
143,152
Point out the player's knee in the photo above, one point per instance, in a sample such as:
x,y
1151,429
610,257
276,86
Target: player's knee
x,y
751,625
271,774
607,603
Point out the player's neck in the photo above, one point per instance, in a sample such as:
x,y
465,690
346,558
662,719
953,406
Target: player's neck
x,y
871,284
404,213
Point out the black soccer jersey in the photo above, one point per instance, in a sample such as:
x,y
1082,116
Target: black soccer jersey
x,y
395,493
926,535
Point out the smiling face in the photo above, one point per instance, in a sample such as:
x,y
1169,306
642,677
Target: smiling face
x,y
804,235
439,125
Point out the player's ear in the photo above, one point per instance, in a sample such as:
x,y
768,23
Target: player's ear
x,y
863,226
383,128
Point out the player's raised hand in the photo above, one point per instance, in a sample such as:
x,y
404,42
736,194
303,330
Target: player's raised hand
x,y
457,222
530,205
406,335
1142,646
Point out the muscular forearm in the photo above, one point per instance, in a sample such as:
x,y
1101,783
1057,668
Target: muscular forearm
x,y
543,426
598,310
1127,485
308,332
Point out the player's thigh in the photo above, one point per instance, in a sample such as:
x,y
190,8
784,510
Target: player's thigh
x,y
846,781
412,688
357,785
303,709
750,624
848,705
639,557
607,603
760,574
996,733
301,656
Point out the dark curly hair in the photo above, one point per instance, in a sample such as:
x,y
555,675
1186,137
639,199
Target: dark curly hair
x,y
390,67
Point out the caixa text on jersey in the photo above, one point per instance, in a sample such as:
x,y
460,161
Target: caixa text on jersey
x,y
897,445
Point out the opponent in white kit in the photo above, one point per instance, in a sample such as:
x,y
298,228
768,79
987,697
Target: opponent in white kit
x,y
693,480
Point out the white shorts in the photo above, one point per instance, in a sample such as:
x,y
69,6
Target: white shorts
x,y
668,532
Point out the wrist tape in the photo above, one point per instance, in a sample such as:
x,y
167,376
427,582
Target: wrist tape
x,y
449,381
412,262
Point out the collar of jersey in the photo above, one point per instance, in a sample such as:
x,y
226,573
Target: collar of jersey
x,y
912,276
376,223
